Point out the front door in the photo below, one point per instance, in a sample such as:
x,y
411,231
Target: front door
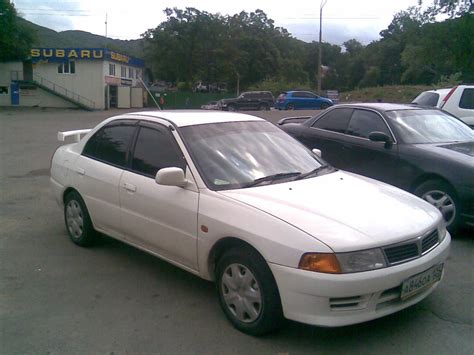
x,y
161,219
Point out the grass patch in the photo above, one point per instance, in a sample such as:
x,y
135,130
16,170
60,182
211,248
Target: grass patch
x,y
394,93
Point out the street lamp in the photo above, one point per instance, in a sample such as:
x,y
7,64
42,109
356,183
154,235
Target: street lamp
x,y
320,51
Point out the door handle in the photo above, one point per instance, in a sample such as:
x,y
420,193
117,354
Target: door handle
x,y
80,171
129,187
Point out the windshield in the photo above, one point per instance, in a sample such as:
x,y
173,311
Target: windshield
x,y
429,126
234,155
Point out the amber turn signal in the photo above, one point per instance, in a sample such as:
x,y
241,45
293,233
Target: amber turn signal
x,y
320,262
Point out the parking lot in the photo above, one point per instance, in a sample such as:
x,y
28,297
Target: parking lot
x,y
57,297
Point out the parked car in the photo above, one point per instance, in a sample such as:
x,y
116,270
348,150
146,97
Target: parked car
x,y
282,235
458,101
212,105
301,100
422,150
250,100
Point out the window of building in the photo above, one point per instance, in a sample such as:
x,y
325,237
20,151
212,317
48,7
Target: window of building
x,y
335,120
130,73
155,149
3,90
137,74
112,69
67,67
111,144
123,71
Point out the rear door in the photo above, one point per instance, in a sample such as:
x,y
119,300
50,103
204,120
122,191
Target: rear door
x,y
162,219
327,134
97,172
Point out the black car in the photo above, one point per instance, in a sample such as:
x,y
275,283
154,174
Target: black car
x,y
250,100
419,149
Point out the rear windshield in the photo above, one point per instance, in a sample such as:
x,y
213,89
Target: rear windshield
x,y
427,99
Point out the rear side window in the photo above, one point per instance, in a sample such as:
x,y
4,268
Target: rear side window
x,y
155,149
427,99
365,122
336,120
298,94
467,99
111,144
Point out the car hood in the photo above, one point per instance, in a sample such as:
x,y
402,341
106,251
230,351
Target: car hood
x,y
343,210
463,151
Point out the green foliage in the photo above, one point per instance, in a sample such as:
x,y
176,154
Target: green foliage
x,y
278,86
392,93
15,39
449,80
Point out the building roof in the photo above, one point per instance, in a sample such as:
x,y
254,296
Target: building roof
x,y
189,118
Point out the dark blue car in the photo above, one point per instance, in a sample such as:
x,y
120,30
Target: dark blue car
x,y
301,100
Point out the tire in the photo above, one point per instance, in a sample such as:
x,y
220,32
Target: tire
x,y
290,107
263,107
324,106
231,108
77,220
441,195
251,302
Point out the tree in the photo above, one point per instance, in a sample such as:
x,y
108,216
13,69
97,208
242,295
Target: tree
x,y
15,40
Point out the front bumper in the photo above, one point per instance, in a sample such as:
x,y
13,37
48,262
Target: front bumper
x,y
343,299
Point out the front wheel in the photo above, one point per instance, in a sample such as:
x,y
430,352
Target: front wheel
x,y
231,108
324,106
77,219
247,292
443,197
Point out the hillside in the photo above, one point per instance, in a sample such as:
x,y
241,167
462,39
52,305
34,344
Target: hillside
x,y
45,37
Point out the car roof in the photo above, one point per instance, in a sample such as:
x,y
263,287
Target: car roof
x,y
182,118
379,106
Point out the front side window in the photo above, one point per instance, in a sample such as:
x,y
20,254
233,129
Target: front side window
x,y
364,122
335,120
111,144
155,149
235,155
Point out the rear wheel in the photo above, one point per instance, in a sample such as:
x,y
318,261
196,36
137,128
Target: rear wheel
x,y
441,195
290,107
248,293
77,219
263,107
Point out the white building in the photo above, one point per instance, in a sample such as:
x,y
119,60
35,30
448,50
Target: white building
x,y
91,78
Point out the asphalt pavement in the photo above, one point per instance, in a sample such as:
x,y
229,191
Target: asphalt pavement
x,y
59,298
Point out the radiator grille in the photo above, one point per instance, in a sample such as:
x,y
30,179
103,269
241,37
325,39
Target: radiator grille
x,y
399,253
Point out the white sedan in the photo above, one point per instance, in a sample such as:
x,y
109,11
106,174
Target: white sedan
x,y
233,199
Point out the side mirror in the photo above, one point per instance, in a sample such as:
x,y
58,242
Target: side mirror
x,y
317,152
381,137
171,177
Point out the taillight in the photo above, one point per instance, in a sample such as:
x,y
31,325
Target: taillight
x,y
281,98
447,96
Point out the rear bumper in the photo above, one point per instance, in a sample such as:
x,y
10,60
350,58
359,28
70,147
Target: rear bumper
x,y
58,191
338,300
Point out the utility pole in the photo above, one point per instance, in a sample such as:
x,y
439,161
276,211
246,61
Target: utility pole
x,y
320,49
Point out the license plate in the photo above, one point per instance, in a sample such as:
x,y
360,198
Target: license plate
x,y
417,283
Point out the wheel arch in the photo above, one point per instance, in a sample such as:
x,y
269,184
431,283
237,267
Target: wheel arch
x,y
429,177
220,247
67,191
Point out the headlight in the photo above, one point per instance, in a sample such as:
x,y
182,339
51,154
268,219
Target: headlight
x,y
342,263
363,260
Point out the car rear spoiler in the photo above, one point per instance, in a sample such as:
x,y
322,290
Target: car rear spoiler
x,y
76,134
297,119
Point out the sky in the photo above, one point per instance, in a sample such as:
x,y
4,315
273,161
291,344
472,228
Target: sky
x,y
342,19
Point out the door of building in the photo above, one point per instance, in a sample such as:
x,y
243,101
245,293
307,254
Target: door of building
x,y
113,96
15,93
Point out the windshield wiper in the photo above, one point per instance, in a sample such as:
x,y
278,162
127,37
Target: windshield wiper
x,y
272,178
314,172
